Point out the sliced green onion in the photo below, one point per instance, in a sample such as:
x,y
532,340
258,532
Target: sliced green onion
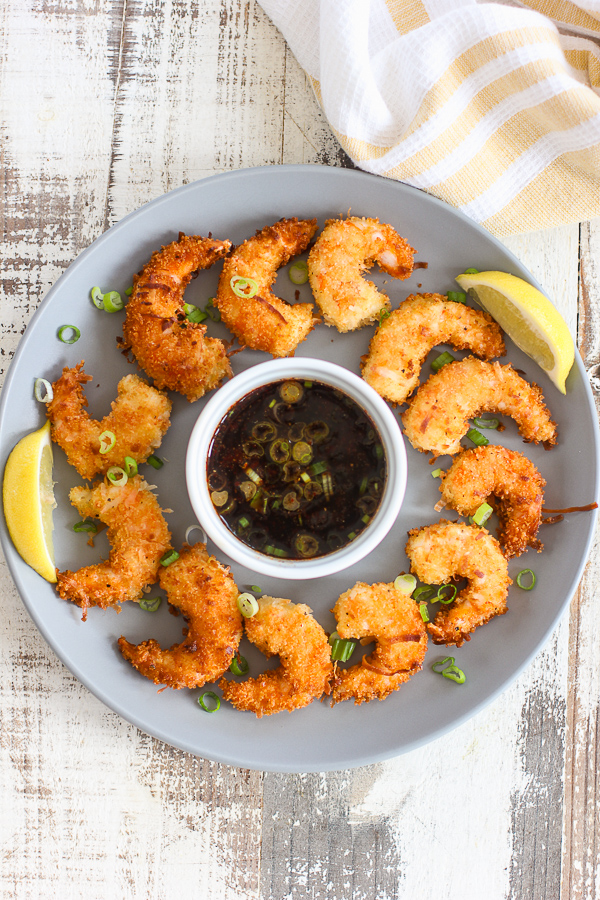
x,y
445,597
155,462
436,473
457,297
291,392
90,527
130,466
279,451
247,605
327,485
318,468
219,498
307,545
169,557
383,314
264,431
482,514
42,390
97,297
441,360
308,384
68,334
342,650
524,573
405,583
451,671
212,311
244,522
298,273
239,665
477,437
117,476
213,699
352,535
129,291
424,592
487,423
423,611
192,528
277,551
378,451
302,453
243,287
252,475
150,604
194,313
112,302
108,440
471,272
256,589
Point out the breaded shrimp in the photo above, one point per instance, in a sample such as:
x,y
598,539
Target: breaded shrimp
x,y
517,488
139,418
401,343
344,250
289,630
263,321
439,413
439,553
390,618
172,350
206,594
138,535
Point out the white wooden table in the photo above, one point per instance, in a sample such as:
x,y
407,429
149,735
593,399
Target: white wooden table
x,y
107,104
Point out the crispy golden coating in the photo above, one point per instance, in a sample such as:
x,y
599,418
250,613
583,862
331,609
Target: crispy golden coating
x,y
206,594
390,618
439,553
342,253
438,415
506,479
138,535
400,345
264,321
139,418
172,350
289,630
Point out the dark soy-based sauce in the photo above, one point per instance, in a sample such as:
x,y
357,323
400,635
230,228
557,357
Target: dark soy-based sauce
x,y
296,469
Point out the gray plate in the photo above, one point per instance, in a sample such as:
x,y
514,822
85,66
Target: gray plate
x,y
317,738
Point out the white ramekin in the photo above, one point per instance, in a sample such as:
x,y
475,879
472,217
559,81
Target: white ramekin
x,y
304,369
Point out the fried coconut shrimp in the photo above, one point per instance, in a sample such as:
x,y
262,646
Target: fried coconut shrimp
x,y
206,594
439,413
510,481
390,618
289,630
174,351
453,550
139,418
138,536
261,320
401,343
344,250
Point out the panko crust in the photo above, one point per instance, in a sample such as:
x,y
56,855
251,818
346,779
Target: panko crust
x,y
290,631
265,321
174,351
453,550
400,345
205,592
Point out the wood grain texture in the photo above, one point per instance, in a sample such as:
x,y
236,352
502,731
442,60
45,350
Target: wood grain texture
x,y
104,105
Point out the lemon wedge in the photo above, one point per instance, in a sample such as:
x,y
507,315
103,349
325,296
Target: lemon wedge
x,y
529,319
28,495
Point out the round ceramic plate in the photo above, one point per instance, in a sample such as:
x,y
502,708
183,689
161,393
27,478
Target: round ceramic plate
x,y
319,737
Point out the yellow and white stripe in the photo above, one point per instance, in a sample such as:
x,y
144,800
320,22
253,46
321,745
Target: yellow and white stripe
x,y
487,106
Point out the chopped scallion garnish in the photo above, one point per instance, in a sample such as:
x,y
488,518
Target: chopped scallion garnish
x,y
487,423
194,314
405,584
150,604
212,311
424,592
169,557
155,462
298,273
209,701
42,390
69,334
482,514
129,291
243,287
423,611
442,360
117,476
477,437
89,527
112,302
97,297
256,589
524,573
457,297
451,671
247,605
383,314
436,473
108,439
342,650
471,272
190,529
446,593
130,466
239,665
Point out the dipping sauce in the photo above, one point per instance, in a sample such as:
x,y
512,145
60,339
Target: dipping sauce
x,y
296,469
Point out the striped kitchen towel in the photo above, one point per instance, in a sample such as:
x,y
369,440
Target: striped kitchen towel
x,y
493,108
